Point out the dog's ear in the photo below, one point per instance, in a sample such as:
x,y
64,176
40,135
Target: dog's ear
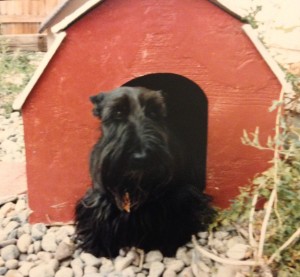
x,y
97,100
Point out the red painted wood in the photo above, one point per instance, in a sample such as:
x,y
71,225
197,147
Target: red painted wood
x,y
118,41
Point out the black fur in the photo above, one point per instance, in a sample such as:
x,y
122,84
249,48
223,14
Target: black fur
x,y
137,155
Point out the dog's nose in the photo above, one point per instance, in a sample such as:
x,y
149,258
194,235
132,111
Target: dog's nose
x,y
139,156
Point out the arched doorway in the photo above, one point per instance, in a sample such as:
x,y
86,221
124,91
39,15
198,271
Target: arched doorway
x,y
187,108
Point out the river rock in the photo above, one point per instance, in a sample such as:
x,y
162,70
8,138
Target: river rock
x,y
156,269
9,252
154,256
23,243
64,272
64,250
42,270
49,242
238,251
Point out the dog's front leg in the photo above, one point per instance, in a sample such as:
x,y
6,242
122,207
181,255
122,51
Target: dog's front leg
x,y
93,228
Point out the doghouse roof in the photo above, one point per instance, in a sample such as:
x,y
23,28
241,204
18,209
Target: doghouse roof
x,y
62,10
60,34
67,7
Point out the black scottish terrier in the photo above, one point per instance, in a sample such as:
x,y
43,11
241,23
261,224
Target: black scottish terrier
x,y
139,195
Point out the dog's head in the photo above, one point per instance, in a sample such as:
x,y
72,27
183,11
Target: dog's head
x,y
132,161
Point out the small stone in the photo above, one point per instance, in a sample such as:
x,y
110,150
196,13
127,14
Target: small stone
x,y
174,265
107,266
20,205
64,232
20,232
54,264
123,262
12,264
38,230
27,228
202,266
218,245
238,251
23,243
13,273
3,270
6,208
135,257
64,250
45,256
13,234
122,252
187,272
23,257
197,271
90,269
203,235
21,217
32,258
221,235
156,269
64,272
65,263
154,256
49,242
226,271
77,263
77,253
10,252
169,273
184,256
41,270
129,272
89,259
77,267
8,229
37,246
202,242
25,267
235,240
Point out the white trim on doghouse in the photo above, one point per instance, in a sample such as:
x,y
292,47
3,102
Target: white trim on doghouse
x,y
20,100
253,36
67,21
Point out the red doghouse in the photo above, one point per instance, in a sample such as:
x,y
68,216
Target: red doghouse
x,y
106,44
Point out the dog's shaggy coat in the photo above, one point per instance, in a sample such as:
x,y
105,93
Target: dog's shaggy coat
x,y
138,158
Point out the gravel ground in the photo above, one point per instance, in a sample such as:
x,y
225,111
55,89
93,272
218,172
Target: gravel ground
x,y
44,251
38,250
11,137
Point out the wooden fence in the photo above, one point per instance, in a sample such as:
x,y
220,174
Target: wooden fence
x,y
20,21
24,16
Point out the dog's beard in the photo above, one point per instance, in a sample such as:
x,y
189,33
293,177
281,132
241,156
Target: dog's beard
x,y
136,184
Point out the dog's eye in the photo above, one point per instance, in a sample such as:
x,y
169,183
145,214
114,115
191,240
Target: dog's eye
x,y
155,115
119,114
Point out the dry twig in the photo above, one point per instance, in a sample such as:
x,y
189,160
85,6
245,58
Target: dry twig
x,y
292,238
215,258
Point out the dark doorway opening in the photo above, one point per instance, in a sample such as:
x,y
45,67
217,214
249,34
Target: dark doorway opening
x,y
187,108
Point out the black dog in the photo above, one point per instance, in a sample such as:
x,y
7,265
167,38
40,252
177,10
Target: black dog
x,y
139,197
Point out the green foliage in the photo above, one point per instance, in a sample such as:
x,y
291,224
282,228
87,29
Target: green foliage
x,y
285,216
250,18
16,69
294,80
